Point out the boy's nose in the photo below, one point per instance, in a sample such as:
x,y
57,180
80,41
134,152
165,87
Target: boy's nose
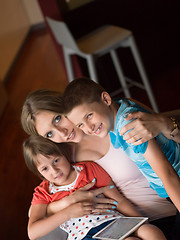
x,y
90,127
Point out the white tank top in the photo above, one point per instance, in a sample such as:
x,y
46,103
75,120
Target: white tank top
x,y
133,185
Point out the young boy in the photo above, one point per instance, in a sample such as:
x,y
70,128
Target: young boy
x,y
61,178
91,108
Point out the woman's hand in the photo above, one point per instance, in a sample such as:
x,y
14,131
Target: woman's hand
x,y
80,209
145,127
100,204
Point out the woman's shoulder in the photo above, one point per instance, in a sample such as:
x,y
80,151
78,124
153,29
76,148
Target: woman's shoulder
x,y
92,148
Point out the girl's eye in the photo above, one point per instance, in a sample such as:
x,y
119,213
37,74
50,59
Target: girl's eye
x,y
44,169
57,119
89,116
49,135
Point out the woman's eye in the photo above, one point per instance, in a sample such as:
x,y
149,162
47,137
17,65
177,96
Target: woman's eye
x,y
89,115
57,119
49,135
44,169
80,125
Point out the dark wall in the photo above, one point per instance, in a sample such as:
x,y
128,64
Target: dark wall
x,y
155,25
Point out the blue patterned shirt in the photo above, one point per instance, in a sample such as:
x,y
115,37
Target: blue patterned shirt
x,y
170,148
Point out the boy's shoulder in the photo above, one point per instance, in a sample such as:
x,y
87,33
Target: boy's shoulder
x,y
127,106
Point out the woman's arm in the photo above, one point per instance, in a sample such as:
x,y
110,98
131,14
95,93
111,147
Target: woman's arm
x,y
124,206
147,126
40,225
83,195
164,171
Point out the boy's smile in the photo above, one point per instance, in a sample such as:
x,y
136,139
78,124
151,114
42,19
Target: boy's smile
x,y
93,118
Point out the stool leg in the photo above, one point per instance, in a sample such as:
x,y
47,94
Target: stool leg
x,y
120,74
142,72
92,68
69,66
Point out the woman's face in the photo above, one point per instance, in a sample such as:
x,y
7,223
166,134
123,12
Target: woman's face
x,y
57,127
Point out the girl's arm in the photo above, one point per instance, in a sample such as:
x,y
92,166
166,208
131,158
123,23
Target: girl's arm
x,y
82,195
40,225
124,206
164,171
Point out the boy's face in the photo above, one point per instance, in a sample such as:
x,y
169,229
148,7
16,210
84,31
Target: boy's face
x,y
94,118
55,169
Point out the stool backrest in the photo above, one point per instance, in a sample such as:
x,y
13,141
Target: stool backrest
x,y
62,34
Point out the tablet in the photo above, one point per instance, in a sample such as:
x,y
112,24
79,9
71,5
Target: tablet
x,y
120,228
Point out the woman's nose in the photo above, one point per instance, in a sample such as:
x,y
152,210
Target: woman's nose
x,y
62,130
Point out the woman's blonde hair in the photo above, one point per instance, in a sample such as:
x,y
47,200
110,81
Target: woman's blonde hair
x,y
37,101
35,145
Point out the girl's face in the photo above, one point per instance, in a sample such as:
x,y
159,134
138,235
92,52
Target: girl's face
x,y
57,127
55,169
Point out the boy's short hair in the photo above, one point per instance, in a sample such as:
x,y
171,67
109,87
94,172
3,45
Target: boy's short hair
x,y
35,145
37,101
79,91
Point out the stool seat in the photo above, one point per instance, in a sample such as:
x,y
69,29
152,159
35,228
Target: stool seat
x,y
98,43
102,40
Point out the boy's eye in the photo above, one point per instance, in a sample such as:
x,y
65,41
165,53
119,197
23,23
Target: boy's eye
x,y
49,134
57,119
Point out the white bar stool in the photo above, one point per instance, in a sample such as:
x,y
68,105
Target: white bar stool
x,y
98,43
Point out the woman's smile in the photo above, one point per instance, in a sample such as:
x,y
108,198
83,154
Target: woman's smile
x,y
57,131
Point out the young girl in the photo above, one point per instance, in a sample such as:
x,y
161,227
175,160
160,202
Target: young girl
x,y
61,178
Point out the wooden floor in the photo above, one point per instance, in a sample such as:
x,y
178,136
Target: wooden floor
x,y
38,66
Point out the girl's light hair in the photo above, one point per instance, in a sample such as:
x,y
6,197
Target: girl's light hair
x,y
35,145
37,101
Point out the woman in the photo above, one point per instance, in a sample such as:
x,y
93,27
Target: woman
x,y
42,114
147,126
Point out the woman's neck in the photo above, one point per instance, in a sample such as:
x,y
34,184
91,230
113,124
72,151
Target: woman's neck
x,y
92,148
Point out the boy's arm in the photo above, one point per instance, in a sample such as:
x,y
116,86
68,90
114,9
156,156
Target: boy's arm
x,y
124,206
40,225
164,171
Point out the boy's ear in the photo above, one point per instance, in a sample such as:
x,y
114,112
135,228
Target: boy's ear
x,y
106,98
